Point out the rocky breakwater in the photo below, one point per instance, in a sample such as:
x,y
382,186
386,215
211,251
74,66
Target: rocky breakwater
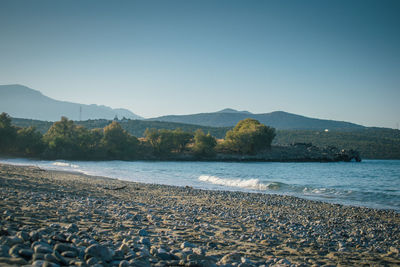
x,y
64,219
298,152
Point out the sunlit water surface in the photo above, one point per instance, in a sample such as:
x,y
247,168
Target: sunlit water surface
x,y
371,183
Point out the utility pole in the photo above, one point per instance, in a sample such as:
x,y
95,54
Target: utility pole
x,y
80,113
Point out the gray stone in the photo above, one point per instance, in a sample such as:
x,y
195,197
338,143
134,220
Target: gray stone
x,y
50,264
38,256
12,261
165,256
100,252
143,232
69,254
72,228
38,263
118,255
26,253
230,258
4,251
60,247
14,251
140,262
24,235
145,241
51,258
10,240
92,261
187,245
199,251
60,258
43,249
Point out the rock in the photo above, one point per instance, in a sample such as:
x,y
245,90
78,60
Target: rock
x,y
165,256
118,255
15,251
92,261
38,263
12,261
199,251
143,232
60,247
34,236
10,240
145,241
60,258
100,252
72,228
283,262
26,253
140,262
69,254
230,258
50,264
51,258
124,248
124,263
187,245
24,235
43,249
4,251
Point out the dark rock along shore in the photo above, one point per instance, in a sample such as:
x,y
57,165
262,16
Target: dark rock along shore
x,y
59,219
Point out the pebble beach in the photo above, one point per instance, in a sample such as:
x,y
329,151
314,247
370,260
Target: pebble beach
x,y
52,218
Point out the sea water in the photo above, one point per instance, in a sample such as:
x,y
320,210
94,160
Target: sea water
x,y
370,183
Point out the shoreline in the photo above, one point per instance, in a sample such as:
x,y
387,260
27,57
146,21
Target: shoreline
x,y
140,224
239,189
317,198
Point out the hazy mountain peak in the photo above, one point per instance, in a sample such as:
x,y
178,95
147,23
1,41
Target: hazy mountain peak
x,y
231,110
13,89
23,102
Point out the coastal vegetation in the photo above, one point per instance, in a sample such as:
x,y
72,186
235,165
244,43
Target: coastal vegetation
x,y
372,143
249,137
67,140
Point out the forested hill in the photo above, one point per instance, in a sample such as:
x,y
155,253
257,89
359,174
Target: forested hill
x,y
373,143
278,119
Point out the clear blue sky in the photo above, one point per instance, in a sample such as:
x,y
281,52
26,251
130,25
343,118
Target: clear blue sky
x,y
326,59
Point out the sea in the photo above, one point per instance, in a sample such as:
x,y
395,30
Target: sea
x,y
370,183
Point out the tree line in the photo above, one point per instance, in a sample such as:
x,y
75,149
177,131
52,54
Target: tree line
x,y
67,140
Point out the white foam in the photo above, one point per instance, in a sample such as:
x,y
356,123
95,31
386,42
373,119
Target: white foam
x,y
64,164
249,184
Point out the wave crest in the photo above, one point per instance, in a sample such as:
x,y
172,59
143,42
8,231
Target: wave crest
x,y
64,164
242,183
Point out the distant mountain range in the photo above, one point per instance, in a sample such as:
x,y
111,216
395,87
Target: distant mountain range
x,y
278,119
23,102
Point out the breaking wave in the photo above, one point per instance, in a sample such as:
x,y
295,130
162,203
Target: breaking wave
x,y
254,184
65,164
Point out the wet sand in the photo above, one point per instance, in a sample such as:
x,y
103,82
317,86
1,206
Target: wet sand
x,y
51,218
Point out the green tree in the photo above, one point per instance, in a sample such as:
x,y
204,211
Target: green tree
x,y
165,142
204,145
60,139
249,136
29,141
8,133
118,143
180,139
